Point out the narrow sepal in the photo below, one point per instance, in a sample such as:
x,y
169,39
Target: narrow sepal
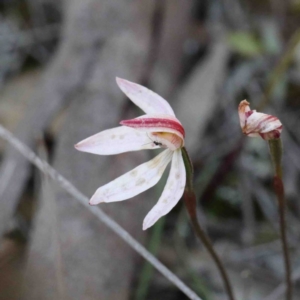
x,y
116,140
145,99
172,192
133,182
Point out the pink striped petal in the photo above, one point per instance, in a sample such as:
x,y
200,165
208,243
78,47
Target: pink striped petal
x,y
133,182
267,126
156,123
263,123
256,124
145,99
172,192
116,140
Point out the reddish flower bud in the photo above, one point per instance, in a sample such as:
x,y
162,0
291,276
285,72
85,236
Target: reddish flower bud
x,y
256,124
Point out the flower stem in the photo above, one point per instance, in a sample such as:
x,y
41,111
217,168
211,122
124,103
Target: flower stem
x,y
190,203
275,146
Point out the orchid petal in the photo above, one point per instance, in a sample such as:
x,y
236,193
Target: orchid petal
x,y
256,124
135,181
147,100
116,140
262,123
172,192
253,135
243,108
156,123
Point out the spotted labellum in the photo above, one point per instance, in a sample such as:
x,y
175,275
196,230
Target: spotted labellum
x,y
158,128
255,124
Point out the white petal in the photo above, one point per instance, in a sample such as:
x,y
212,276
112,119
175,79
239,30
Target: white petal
x,y
147,100
116,140
172,192
253,135
262,123
243,108
270,126
135,181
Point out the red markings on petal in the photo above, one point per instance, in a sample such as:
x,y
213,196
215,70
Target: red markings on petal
x,y
150,122
254,123
248,113
261,123
274,134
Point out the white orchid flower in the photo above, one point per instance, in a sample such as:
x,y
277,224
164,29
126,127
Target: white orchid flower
x,y
255,124
158,128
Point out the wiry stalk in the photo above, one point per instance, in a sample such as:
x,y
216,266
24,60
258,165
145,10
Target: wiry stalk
x,y
190,203
276,154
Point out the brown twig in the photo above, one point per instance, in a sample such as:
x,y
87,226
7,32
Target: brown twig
x,y
279,190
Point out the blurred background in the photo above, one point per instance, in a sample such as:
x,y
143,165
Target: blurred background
x,y
58,63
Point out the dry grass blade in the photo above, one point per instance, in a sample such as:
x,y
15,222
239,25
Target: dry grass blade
x,y
66,185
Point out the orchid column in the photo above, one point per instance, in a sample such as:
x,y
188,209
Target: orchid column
x,y
268,127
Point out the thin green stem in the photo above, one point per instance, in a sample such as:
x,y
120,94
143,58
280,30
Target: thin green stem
x,y
190,203
189,170
276,153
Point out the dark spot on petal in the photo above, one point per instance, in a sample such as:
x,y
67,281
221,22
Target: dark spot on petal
x,y
134,173
140,181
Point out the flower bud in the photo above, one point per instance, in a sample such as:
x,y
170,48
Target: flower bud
x,y
255,124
